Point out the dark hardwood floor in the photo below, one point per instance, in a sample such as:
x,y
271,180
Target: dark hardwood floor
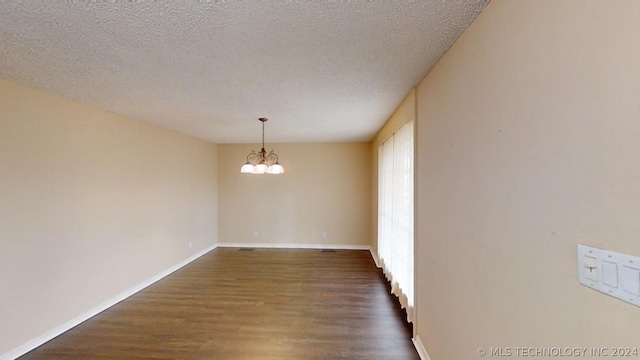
x,y
250,304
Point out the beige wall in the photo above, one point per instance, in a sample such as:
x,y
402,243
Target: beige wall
x,y
326,187
92,204
528,143
403,114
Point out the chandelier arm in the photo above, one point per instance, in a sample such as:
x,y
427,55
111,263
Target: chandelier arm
x,y
253,157
272,158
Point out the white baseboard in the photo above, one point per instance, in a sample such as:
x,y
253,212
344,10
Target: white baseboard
x,y
32,344
294,246
375,257
420,348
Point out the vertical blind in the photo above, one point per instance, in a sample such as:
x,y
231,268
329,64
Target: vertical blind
x,y
395,214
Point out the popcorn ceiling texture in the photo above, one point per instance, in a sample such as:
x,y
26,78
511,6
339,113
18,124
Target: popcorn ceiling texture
x,y
320,70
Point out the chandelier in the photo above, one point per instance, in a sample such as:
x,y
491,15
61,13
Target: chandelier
x,y
261,162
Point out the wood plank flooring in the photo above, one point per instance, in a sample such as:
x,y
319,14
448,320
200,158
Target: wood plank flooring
x,y
257,304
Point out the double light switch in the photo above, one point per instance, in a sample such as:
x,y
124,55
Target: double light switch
x,y
610,272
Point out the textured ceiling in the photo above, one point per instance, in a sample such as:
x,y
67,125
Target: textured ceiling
x,y
319,70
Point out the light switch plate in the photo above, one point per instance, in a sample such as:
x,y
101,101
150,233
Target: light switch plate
x,y
615,274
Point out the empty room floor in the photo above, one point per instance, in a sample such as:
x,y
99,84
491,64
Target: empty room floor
x,y
250,304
